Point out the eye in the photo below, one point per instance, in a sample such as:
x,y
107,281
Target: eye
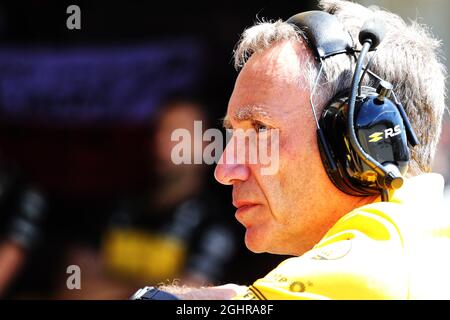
x,y
260,127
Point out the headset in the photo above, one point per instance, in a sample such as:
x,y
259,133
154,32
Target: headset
x,y
362,133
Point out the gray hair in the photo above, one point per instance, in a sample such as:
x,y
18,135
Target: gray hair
x,y
405,47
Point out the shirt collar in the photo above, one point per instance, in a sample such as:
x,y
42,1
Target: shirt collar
x,y
427,186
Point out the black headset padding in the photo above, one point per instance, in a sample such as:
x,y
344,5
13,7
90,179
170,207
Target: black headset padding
x,y
334,129
324,33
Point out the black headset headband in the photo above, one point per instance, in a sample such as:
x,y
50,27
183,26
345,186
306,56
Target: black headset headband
x,y
324,33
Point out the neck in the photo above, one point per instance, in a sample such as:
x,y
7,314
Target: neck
x,y
335,211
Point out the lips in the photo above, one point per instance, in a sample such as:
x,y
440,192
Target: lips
x,y
243,212
243,203
243,209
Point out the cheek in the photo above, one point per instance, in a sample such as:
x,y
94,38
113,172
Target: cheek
x,y
296,158
299,166
289,189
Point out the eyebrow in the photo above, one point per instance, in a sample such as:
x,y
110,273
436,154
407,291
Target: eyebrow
x,y
246,113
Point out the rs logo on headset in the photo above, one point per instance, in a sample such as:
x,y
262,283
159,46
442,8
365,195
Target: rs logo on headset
x,y
387,133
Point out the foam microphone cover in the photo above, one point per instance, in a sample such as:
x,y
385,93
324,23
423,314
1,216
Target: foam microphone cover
x,y
373,30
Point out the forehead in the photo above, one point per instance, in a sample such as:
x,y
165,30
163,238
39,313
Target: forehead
x,y
271,78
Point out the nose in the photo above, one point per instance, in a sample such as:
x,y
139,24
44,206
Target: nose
x,y
229,169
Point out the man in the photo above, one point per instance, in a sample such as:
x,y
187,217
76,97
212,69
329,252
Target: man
x,y
346,246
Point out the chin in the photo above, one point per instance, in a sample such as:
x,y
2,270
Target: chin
x,y
258,241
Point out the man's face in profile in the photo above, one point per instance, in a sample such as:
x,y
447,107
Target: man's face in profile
x,y
289,211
